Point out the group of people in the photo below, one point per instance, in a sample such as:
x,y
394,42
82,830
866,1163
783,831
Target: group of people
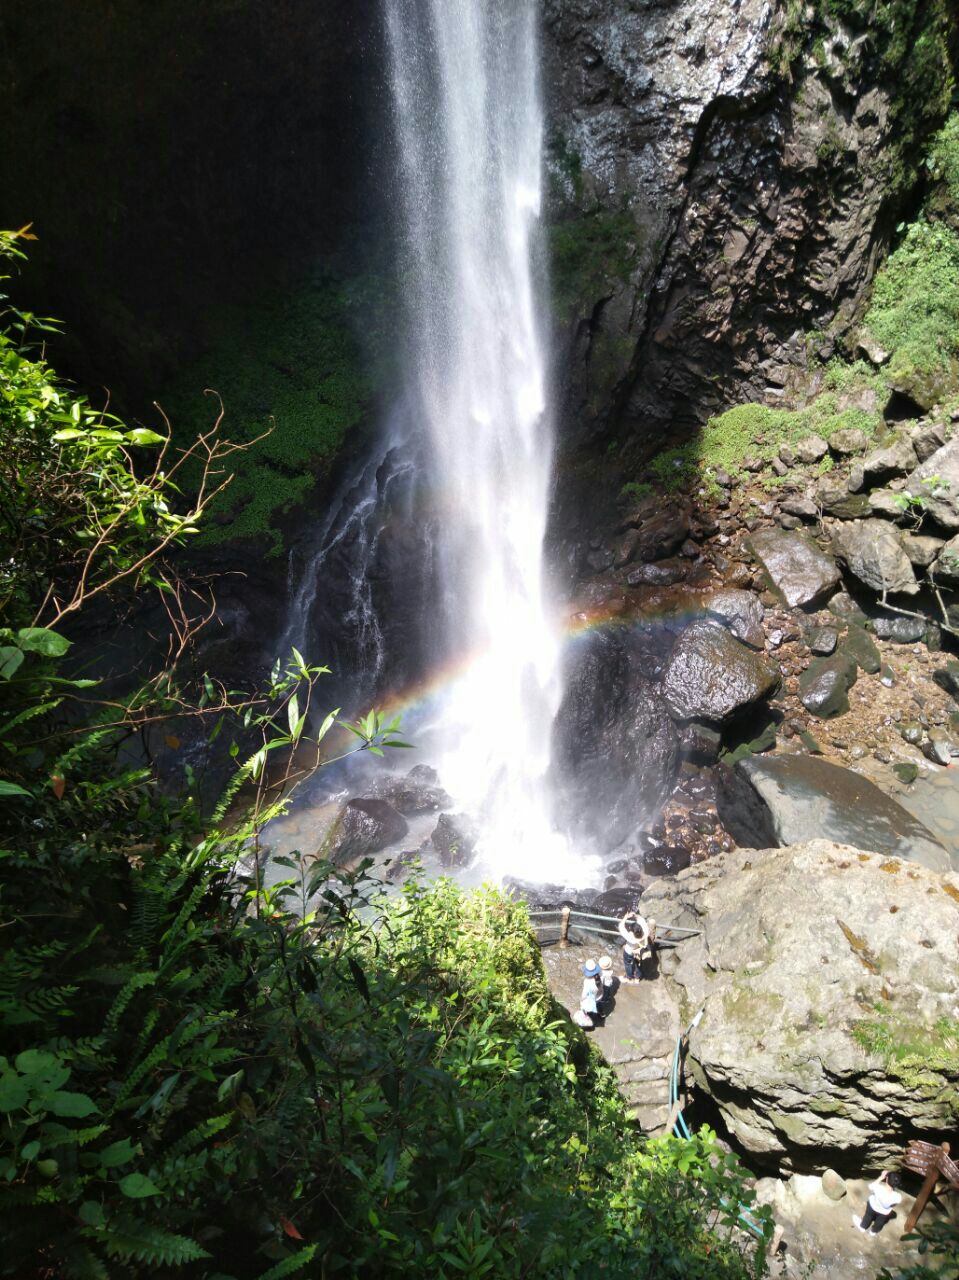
x,y
599,980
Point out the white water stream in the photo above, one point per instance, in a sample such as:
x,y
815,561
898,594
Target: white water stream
x,y
469,129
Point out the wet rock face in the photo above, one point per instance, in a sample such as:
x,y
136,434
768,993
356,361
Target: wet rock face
x,y
418,791
365,826
454,839
797,569
824,685
790,799
731,174
615,748
872,552
711,675
798,942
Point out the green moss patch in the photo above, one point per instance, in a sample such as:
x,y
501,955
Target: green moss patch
x,y
589,253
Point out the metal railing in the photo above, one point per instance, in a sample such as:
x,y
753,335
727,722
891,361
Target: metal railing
x,y
663,935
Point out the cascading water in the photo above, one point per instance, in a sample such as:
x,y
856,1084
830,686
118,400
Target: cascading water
x,y
469,130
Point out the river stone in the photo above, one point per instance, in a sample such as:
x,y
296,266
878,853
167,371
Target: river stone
x,y
872,552
797,569
711,675
941,495
861,647
663,534
886,503
927,438
615,749
899,629
921,548
824,684
847,441
800,946
833,1185
822,641
741,612
811,449
656,575
843,606
364,826
454,839
786,799
804,508
418,791
837,501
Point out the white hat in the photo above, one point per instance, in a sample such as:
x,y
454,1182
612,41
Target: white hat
x,y
605,962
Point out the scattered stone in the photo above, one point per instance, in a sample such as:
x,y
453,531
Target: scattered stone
x,y
887,678
790,522
774,639
861,647
838,502
628,547
847,441
927,438
906,771
665,860
883,502
809,742
701,742
899,628
664,534
711,675
936,480
921,548
364,826
752,464
779,467
689,550
856,480
811,449
824,685
940,748
786,455
833,1185
723,478
871,551
418,792
896,459
454,839
656,575
600,560
787,799
822,641
869,348
740,611
797,569
843,606
805,508
911,732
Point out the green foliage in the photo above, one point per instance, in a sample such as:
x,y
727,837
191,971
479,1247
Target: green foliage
x,y
910,1052
938,1248
589,254
914,311
290,370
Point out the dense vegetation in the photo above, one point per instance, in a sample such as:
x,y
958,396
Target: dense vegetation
x,y
205,1077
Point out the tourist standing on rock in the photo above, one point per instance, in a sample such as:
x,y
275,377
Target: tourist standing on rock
x,y
883,1198
607,981
634,931
590,996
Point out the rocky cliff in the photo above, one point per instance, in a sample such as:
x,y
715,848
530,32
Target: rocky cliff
x,y
726,178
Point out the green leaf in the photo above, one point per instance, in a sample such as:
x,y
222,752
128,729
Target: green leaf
x,y
117,1153
92,1213
11,789
13,1092
30,1151
68,433
11,659
293,713
77,1105
42,640
138,1186
49,1168
140,435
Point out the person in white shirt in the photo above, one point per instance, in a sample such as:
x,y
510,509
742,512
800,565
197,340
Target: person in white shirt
x,y
883,1198
634,931
608,981
590,996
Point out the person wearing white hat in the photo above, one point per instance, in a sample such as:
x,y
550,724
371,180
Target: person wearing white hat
x,y
608,982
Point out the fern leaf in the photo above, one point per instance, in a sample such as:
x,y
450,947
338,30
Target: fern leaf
x,y
295,1262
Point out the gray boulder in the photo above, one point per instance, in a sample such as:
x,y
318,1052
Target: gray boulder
x,y
927,438
804,508
711,675
886,503
797,569
822,641
921,548
861,647
936,481
662,535
656,575
811,957
363,827
454,839
811,449
788,799
840,502
872,552
899,629
847,441
824,685
418,791
896,459
741,612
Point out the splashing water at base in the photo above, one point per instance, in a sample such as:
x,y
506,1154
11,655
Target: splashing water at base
x,y
469,129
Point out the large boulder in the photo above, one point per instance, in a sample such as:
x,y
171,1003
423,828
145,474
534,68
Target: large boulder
x,y
795,566
454,839
615,748
789,799
418,791
896,459
741,612
711,675
936,481
364,826
825,975
872,552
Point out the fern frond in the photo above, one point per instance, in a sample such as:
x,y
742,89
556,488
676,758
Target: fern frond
x,y
295,1262
128,1239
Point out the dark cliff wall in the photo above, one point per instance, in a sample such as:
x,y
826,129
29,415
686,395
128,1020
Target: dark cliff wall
x,y
175,156
727,174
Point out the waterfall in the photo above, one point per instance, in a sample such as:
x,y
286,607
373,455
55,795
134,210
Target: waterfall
x,y
469,133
